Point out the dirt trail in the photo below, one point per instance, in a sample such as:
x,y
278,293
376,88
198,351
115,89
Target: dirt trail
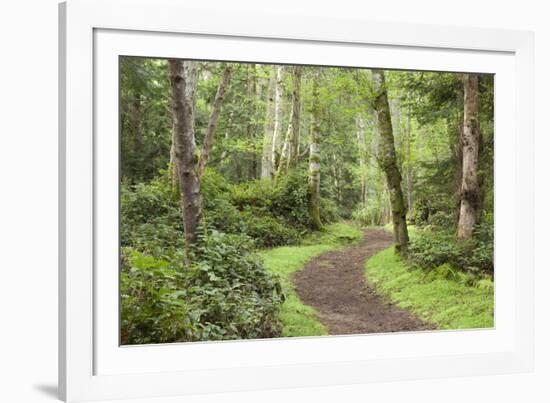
x,y
334,284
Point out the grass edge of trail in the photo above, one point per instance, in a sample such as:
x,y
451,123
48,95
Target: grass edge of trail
x,y
434,296
299,319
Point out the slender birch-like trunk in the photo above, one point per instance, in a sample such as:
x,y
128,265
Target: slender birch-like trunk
x,y
183,81
285,150
387,160
289,153
213,122
251,125
470,139
315,157
267,147
276,142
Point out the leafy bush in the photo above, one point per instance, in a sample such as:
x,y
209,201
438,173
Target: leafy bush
x,y
432,249
290,200
442,220
225,293
151,214
218,210
242,297
257,194
278,215
154,303
150,217
268,231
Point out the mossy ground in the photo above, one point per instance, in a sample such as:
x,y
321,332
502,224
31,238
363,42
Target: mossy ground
x,y
446,298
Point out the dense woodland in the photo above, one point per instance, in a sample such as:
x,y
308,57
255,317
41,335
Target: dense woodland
x,y
221,161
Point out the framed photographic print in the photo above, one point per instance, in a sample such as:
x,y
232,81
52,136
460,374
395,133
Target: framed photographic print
x,y
242,208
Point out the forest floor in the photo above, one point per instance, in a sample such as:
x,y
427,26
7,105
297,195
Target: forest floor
x,y
334,284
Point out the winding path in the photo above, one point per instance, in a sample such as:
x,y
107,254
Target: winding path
x,y
334,284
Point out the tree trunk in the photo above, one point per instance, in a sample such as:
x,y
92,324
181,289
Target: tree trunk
x,y
388,162
315,157
136,128
276,143
285,150
469,190
172,166
226,137
267,162
409,172
251,125
295,121
213,122
183,81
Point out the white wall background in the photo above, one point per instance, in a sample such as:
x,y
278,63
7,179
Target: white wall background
x,y
28,200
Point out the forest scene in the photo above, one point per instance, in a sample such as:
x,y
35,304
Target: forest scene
x,y
263,201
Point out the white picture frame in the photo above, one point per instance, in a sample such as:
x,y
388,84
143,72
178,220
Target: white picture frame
x,y
92,366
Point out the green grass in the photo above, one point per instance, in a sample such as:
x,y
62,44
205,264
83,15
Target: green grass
x,y
446,298
299,319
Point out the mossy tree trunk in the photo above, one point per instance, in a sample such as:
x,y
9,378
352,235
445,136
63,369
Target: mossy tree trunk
x,y
183,81
295,122
470,140
315,157
387,160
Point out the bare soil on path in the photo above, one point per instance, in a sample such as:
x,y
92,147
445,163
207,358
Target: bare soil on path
x,y
334,284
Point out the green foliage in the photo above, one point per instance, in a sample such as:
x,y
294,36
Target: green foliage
x,y
278,215
224,294
430,249
155,307
150,217
371,214
242,297
290,199
268,231
329,211
443,296
145,118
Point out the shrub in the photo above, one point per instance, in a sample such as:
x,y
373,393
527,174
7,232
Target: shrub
x,y
150,218
253,194
268,231
242,296
282,206
154,301
290,200
443,221
431,249
225,293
